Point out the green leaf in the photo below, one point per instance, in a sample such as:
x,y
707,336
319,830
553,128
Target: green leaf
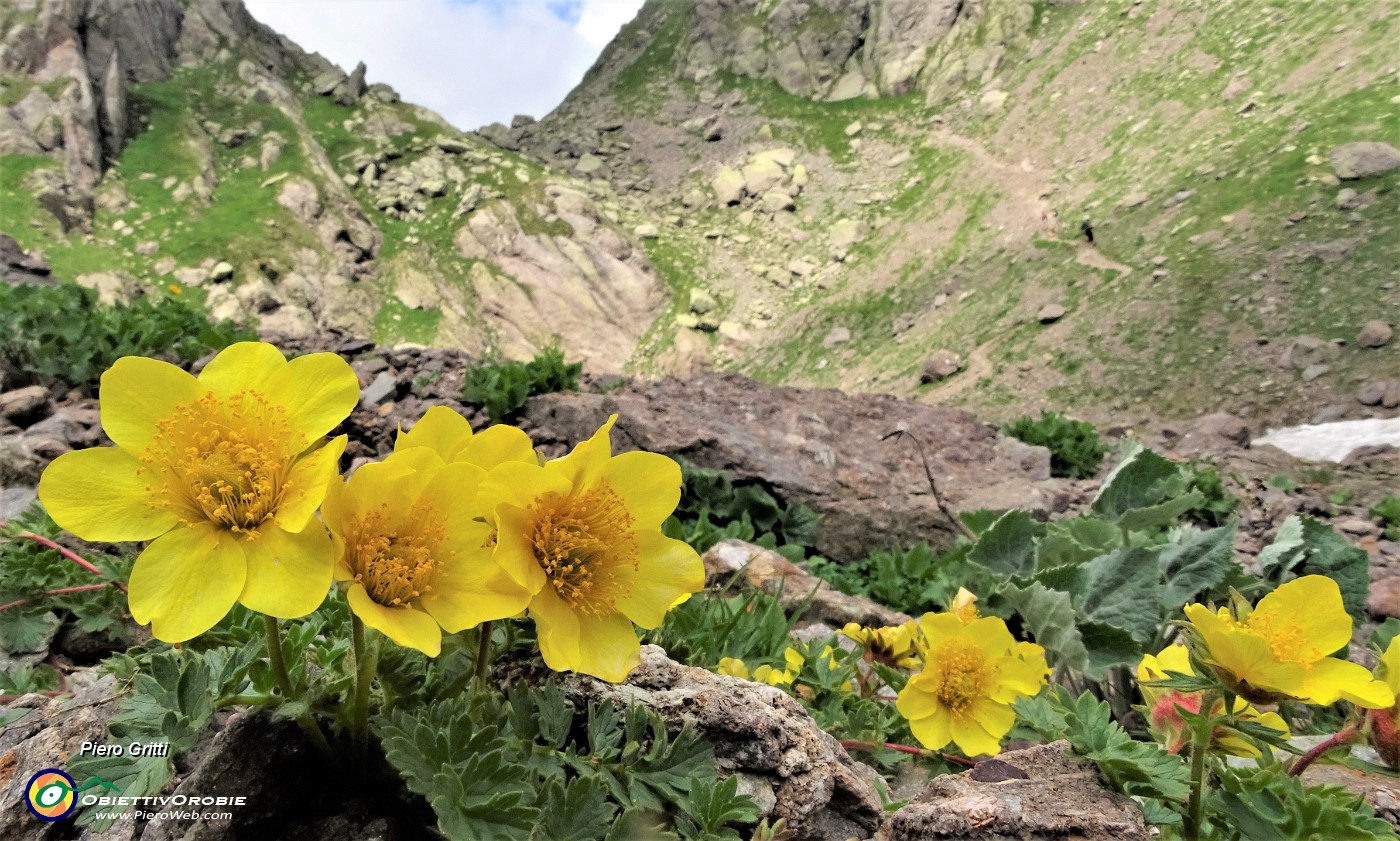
x,y
1050,617
1277,559
1264,804
1161,514
1195,567
1142,480
13,715
1076,541
1134,768
1125,591
577,811
1008,547
712,806
1108,646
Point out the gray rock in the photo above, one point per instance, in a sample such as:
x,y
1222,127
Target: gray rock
x,y
1314,371
646,230
1364,159
1348,199
940,365
822,448
762,174
1372,393
588,164
801,268
351,88
836,336
1309,350
777,200
1133,199
702,301
1391,400
23,404
1050,313
221,272
15,501
378,391
757,731
1374,334
1056,795
728,185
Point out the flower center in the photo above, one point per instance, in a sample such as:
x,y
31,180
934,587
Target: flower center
x,y
1285,638
225,461
587,548
966,674
395,558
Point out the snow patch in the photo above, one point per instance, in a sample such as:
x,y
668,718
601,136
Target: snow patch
x,y
1333,441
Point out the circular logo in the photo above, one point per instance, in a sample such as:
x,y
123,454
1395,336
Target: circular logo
x,y
49,795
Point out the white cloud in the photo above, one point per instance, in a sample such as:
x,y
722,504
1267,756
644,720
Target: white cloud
x,y
472,62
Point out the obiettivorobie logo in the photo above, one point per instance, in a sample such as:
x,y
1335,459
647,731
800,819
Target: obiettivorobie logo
x,y
51,794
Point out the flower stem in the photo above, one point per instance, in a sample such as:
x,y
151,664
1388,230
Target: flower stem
x,y
284,683
1202,732
65,552
274,656
483,653
366,661
852,744
1342,737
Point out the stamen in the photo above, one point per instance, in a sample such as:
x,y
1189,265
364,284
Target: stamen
x,y
395,558
587,548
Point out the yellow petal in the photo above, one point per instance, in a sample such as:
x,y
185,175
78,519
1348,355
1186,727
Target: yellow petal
x,y
319,390
136,392
557,628
289,573
1311,604
938,628
519,484
932,732
242,366
997,719
1016,678
972,738
452,489
496,445
989,634
515,553
917,699
98,495
470,589
308,481
584,466
404,625
1330,680
186,581
649,484
733,668
666,569
1389,668
608,647
441,430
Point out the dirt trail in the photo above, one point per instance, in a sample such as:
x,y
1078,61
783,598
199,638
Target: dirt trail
x,y
1020,212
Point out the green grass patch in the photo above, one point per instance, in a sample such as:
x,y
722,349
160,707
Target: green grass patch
x,y
396,323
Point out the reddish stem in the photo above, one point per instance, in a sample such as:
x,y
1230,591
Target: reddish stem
x,y
65,552
1342,737
850,744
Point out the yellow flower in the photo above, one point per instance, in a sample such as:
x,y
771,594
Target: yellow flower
x,y
1280,648
223,473
735,667
1384,724
415,556
1165,721
892,645
450,435
972,674
964,605
584,534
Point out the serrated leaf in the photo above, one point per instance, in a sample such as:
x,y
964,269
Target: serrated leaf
x,y
980,520
1107,646
1142,480
1075,541
1041,715
1134,768
1008,547
577,811
1161,514
1266,804
1278,558
1124,590
713,805
1050,617
1193,568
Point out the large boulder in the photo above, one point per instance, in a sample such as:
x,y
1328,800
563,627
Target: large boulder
x,y
1364,159
794,771
822,448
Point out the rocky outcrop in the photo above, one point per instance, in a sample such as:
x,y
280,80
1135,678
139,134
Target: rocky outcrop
x,y
78,60
793,770
592,293
822,448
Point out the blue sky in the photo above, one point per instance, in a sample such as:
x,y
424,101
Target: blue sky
x,y
473,61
